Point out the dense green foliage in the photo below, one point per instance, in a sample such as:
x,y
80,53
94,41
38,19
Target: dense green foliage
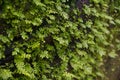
x,y
50,40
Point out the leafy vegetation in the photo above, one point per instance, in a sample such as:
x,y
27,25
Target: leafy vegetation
x,y
57,39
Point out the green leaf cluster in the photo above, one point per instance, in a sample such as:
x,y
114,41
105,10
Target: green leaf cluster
x,y
54,40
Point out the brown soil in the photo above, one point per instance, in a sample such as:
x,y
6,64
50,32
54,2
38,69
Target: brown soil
x,y
112,68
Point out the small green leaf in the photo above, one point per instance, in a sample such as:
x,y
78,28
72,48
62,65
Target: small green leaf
x,y
117,21
35,45
79,45
52,17
59,7
4,39
112,54
24,36
5,74
65,15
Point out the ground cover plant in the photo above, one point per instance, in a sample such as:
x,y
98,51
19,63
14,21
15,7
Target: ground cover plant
x,y
57,39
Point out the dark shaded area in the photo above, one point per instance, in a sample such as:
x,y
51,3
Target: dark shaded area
x,y
8,55
81,3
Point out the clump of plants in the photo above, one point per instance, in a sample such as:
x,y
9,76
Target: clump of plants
x,y
54,40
